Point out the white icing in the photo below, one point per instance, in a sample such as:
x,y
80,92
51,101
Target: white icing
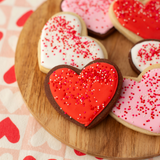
x,y
66,55
136,59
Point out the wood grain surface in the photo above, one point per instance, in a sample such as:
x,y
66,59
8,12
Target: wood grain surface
x,y
109,139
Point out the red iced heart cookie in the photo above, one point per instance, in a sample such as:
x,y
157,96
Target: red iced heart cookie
x,y
10,130
139,104
94,13
86,96
136,20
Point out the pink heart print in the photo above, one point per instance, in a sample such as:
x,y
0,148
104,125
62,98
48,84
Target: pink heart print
x,y
139,103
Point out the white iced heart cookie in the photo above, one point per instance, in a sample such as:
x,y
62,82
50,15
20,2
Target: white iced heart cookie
x,y
144,54
64,40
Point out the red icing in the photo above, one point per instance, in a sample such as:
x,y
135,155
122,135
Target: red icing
x,y
143,20
84,96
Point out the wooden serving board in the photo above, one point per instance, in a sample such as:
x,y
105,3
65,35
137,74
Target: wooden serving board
x,y
109,139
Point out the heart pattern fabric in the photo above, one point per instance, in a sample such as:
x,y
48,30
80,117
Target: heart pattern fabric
x,y
10,77
78,153
143,20
52,142
11,101
61,43
1,35
93,12
10,130
21,21
6,156
83,95
29,158
3,17
139,103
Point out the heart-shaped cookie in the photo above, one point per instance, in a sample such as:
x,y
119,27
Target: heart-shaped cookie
x,y
94,13
139,104
144,54
64,40
135,20
85,96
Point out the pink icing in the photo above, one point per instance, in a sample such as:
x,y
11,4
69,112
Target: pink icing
x,y
139,103
93,12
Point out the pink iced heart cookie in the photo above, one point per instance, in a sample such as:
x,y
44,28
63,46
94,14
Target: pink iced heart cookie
x,y
139,104
135,20
144,54
64,40
94,13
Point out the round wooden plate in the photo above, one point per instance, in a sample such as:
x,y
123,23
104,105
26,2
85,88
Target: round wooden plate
x,y
109,139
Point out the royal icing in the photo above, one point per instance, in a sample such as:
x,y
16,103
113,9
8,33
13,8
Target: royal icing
x,y
83,96
93,12
143,20
61,43
139,103
145,54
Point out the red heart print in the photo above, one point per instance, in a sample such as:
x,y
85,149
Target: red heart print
x,y
143,20
32,158
1,0
29,158
10,130
9,77
83,96
21,21
98,158
78,153
1,35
